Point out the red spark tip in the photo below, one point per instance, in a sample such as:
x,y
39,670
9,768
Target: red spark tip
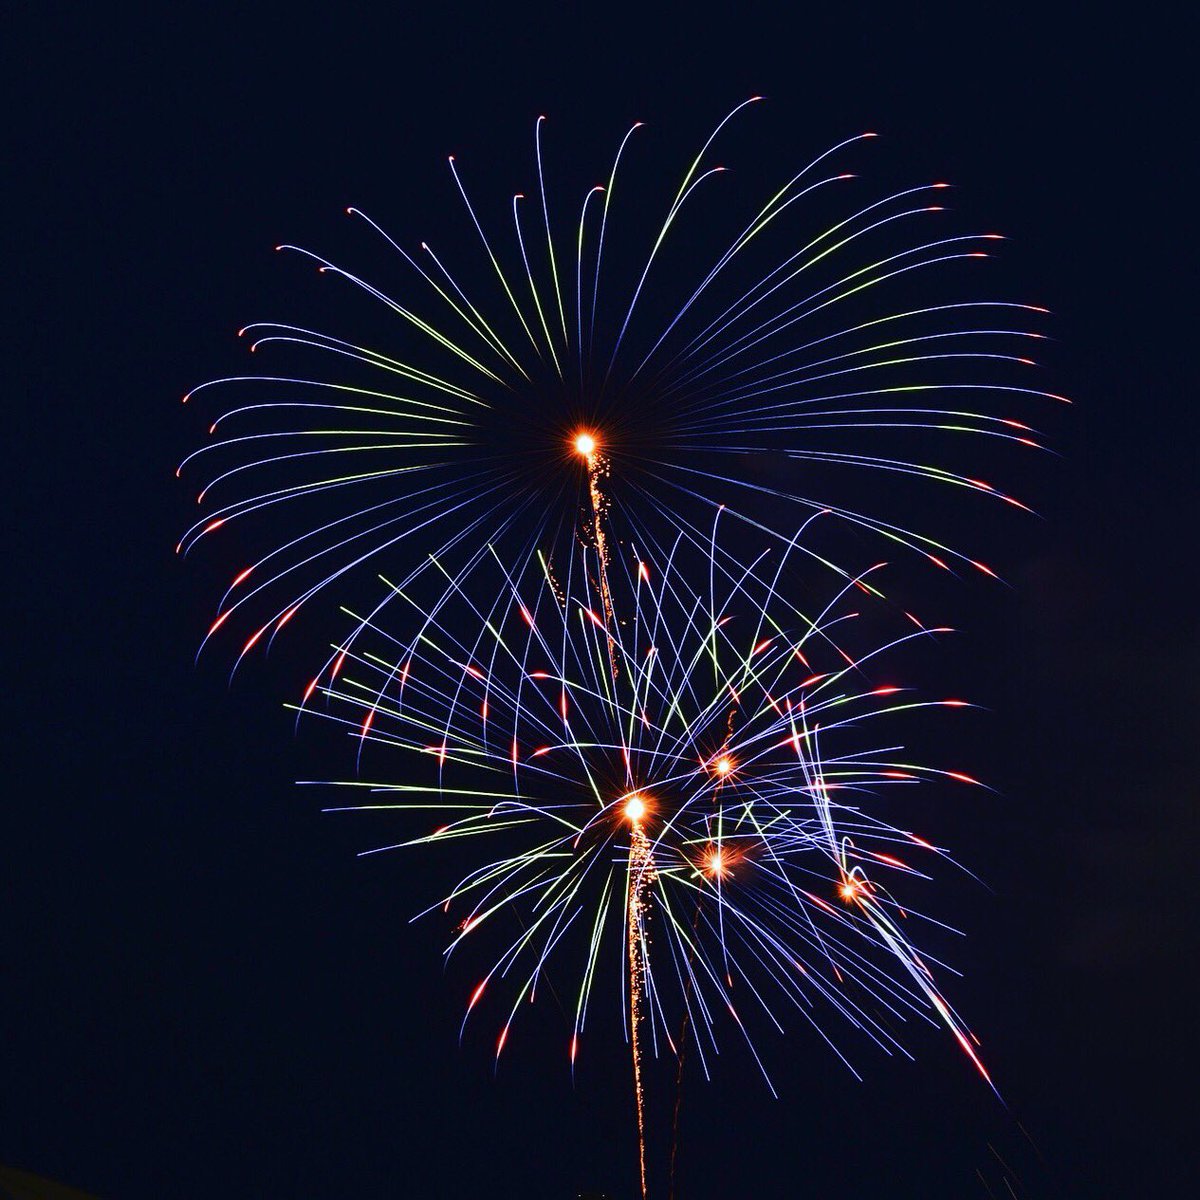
x,y
308,691
240,576
870,134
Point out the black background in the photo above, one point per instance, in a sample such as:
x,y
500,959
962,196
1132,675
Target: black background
x,y
204,992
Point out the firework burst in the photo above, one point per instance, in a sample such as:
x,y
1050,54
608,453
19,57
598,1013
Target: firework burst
x,y
687,790
788,344
682,782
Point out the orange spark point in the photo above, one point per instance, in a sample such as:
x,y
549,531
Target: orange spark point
x,y
635,808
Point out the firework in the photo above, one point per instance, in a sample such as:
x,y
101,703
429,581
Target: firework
x,y
663,761
748,359
680,798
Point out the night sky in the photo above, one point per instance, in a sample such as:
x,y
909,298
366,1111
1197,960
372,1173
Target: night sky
x,y
205,993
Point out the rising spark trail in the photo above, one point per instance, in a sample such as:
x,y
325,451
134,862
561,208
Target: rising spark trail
x,y
641,875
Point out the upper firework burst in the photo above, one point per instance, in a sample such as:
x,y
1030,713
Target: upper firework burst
x,y
707,351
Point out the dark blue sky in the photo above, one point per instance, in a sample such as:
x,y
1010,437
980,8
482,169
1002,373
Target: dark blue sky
x,y
204,992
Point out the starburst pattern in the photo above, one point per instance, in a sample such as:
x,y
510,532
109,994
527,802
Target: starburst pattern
x,y
712,793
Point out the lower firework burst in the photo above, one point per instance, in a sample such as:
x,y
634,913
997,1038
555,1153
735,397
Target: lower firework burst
x,y
677,782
